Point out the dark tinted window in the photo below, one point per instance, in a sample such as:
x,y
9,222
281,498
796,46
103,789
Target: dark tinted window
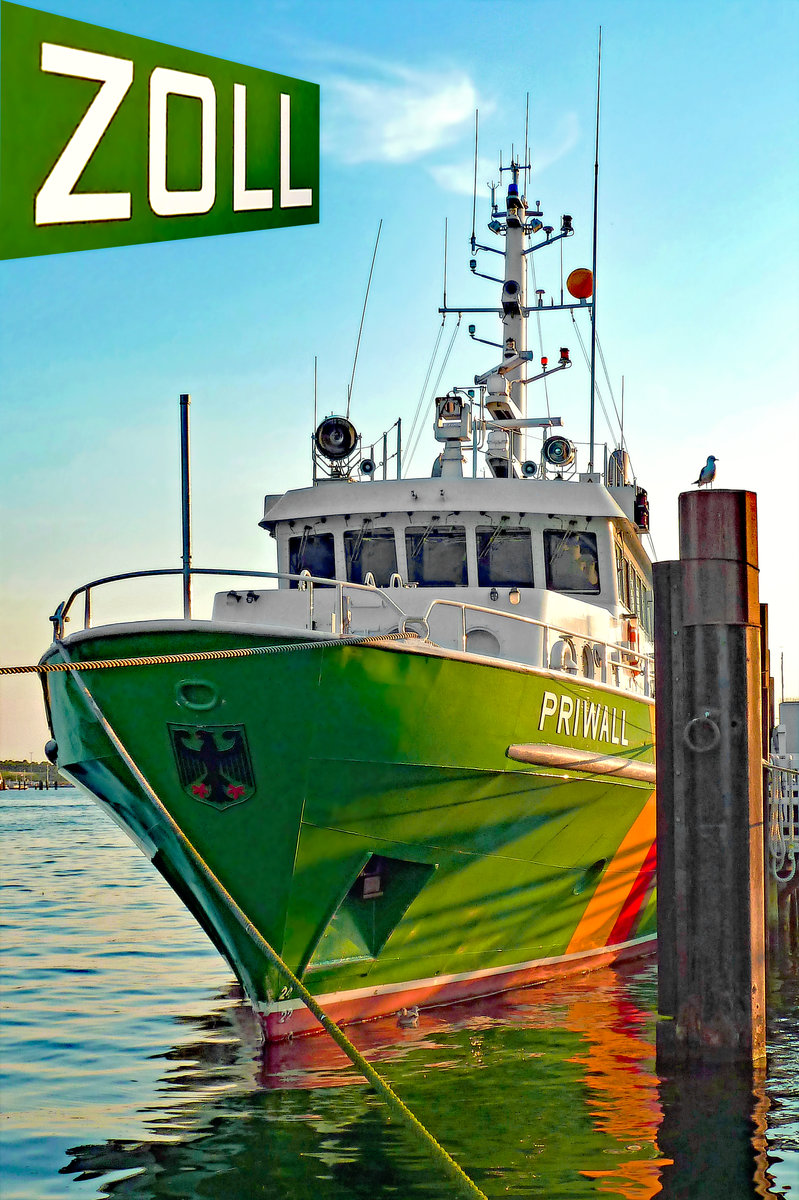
x,y
571,561
312,552
436,555
370,550
504,556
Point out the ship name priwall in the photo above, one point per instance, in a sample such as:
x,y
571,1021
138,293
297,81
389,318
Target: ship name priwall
x,y
576,717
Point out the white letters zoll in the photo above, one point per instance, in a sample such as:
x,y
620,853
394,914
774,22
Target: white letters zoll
x,y
289,197
56,203
166,203
244,199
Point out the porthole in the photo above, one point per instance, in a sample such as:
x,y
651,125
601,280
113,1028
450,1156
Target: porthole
x,y
483,641
196,694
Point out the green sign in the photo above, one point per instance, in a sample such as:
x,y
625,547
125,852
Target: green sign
x,y
112,140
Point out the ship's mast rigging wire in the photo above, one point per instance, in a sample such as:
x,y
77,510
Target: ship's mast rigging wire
x,y
593,250
363,316
620,419
587,358
540,335
423,390
527,142
531,257
444,362
474,192
623,442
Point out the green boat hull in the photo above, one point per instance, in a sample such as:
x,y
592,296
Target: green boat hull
x,y
359,804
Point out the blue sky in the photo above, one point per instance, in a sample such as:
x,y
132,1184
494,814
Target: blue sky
x,y
697,296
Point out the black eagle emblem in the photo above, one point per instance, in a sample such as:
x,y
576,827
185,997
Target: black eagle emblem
x,y
214,763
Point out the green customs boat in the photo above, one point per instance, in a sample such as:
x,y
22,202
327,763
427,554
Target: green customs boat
x,y
418,756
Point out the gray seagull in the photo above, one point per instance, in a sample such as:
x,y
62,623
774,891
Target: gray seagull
x,y
708,472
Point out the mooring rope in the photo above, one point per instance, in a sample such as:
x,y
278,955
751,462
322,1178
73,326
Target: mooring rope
x,y
152,660
396,1105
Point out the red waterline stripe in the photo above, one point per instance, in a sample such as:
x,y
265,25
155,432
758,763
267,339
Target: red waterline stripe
x,y
639,893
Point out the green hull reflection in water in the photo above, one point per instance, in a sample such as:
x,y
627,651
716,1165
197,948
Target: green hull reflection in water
x,y
550,1091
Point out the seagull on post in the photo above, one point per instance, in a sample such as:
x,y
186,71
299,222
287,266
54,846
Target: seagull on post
x,y
708,472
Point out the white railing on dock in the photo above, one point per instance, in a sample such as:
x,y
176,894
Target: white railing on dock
x,y
783,818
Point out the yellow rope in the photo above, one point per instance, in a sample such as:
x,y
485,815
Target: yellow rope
x,y
150,660
455,1173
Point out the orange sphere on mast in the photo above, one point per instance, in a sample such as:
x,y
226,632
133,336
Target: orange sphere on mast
x,y
580,283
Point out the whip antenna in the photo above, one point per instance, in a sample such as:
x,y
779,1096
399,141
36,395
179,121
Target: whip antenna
x,y
445,262
474,196
593,252
622,412
363,315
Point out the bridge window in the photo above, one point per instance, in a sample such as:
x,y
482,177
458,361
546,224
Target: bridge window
x,y
571,561
634,594
621,579
312,552
436,555
504,556
369,549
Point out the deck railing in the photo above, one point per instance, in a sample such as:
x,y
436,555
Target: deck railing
x,y
613,661
561,649
783,824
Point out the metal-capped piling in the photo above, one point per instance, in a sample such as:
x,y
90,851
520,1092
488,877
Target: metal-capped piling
x,y
711,935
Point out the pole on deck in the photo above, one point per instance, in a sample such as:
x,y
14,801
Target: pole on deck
x,y
711,928
185,500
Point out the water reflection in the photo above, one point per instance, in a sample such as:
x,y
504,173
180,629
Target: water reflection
x,y
547,1092
713,1130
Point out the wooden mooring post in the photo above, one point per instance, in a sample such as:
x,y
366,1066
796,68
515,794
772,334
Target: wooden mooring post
x,y
711,935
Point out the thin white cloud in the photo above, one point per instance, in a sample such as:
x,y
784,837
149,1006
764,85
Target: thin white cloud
x,y
563,138
455,177
394,114
459,176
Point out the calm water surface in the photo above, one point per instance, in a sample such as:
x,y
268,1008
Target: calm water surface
x,y
132,1069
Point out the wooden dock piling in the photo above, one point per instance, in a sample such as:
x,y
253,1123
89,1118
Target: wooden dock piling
x,y
711,899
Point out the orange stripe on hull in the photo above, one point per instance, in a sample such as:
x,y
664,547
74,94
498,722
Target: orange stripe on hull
x,y
618,880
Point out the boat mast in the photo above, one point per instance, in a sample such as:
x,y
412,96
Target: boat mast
x,y
514,320
505,403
